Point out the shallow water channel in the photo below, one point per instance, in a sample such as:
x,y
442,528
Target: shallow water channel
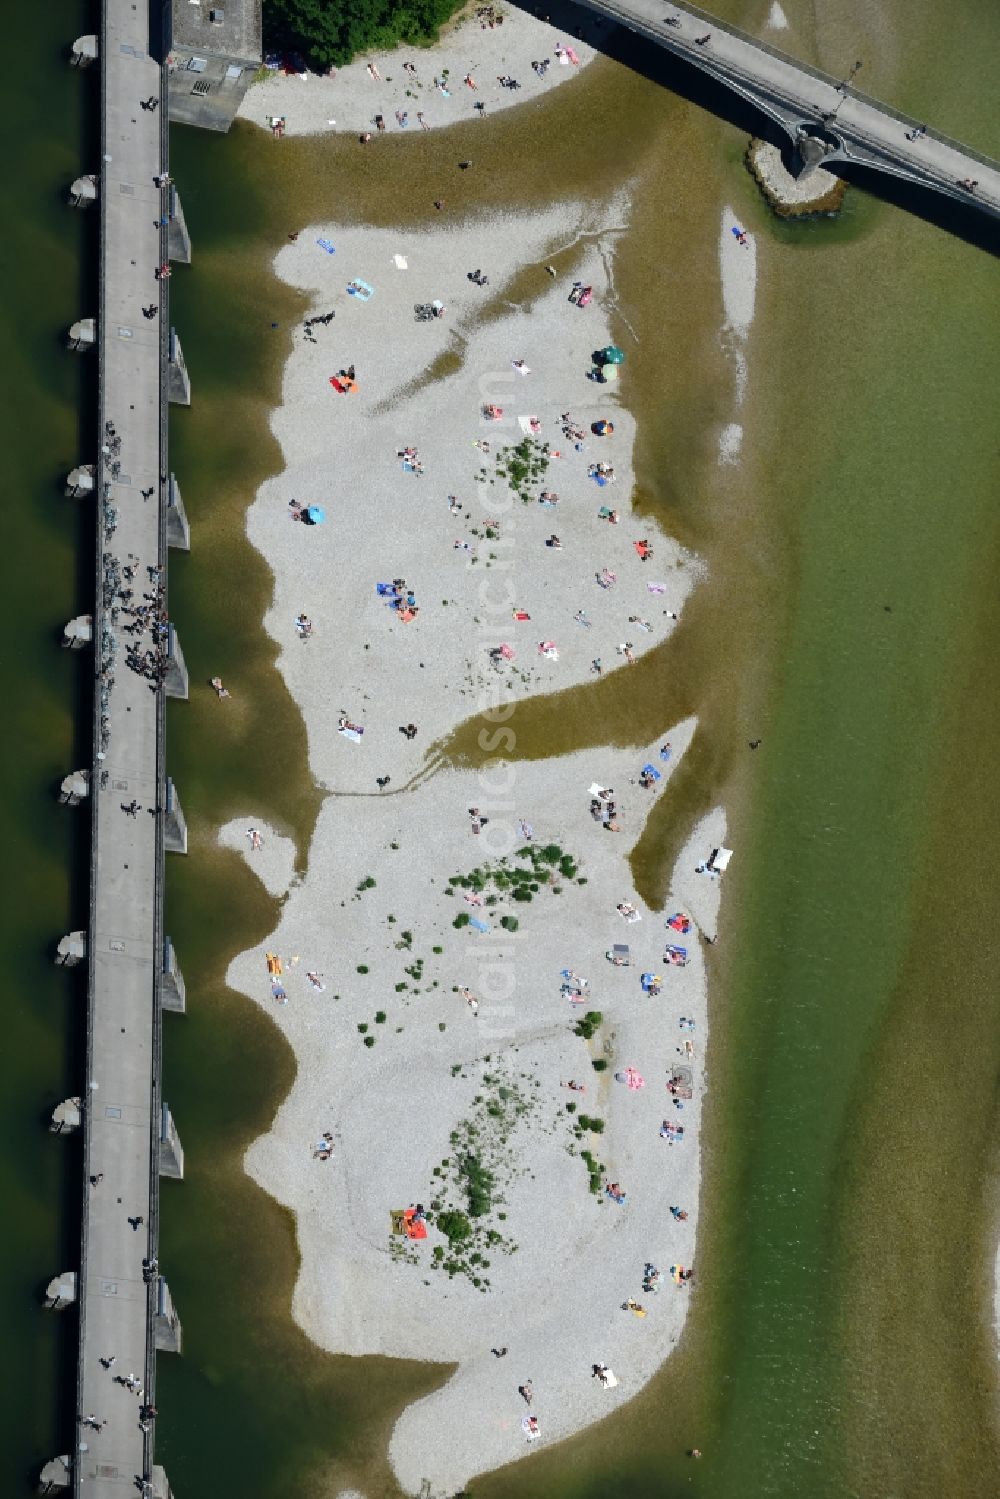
x,y
839,1342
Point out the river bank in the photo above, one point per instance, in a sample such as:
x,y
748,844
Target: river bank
x,y
476,70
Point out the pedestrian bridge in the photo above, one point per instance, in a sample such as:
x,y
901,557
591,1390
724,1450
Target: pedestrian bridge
x,y
826,118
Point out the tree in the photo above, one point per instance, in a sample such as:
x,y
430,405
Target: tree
x,y
331,32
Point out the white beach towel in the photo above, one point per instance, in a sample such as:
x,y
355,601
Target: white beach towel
x,y
401,263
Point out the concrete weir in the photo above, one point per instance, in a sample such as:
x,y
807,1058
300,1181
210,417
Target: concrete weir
x,y
117,1293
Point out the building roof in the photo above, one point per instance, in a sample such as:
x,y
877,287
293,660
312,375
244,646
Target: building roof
x,y
227,28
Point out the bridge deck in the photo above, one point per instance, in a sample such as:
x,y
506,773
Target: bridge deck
x,y
116,1307
873,133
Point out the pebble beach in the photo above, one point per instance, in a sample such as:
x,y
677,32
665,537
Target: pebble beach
x,y
451,534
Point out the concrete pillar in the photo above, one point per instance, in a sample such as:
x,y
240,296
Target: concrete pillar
x,y
175,833
810,152
178,530
72,949
178,238
80,481
56,1476
161,1488
166,1323
175,683
83,191
83,51
66,1116
83,334
171,1149
74,788
78,633
61,1291
178,381
172,994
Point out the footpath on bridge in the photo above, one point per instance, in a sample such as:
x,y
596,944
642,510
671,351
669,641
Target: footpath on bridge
x,y
863,130
124,1305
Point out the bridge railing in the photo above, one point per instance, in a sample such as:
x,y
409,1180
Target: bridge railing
x,y
629,18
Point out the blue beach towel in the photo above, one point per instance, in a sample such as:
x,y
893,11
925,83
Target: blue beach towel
x,y
325,244
480,926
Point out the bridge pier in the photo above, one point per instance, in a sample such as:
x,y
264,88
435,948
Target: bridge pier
x,y
172,992
171,1149
74,788
83,191
78,633
166,1323
66,1117
178,238
161,1488
82,335
80,481
178,380
175,836
72,949
83,52
61,1291
178,529
175,683
811,151
56,1476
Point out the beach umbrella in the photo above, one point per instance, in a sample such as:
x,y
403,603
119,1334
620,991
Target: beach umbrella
x,y
633,1079
315,516
612,355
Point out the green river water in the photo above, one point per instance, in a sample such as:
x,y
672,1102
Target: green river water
x,y
840,1341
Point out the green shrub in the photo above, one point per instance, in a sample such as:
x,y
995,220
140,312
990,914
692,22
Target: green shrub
x,y
380,1017
509,923
363,1026
369,1040
462,919
455,1226
362,967
520,894
599,1064
437,950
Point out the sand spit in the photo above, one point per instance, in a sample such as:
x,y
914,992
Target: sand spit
x,y
738,269
428,1007
424,385
738,273
350,100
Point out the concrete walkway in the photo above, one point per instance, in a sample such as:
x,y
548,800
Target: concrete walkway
x,y
791,92
124,936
